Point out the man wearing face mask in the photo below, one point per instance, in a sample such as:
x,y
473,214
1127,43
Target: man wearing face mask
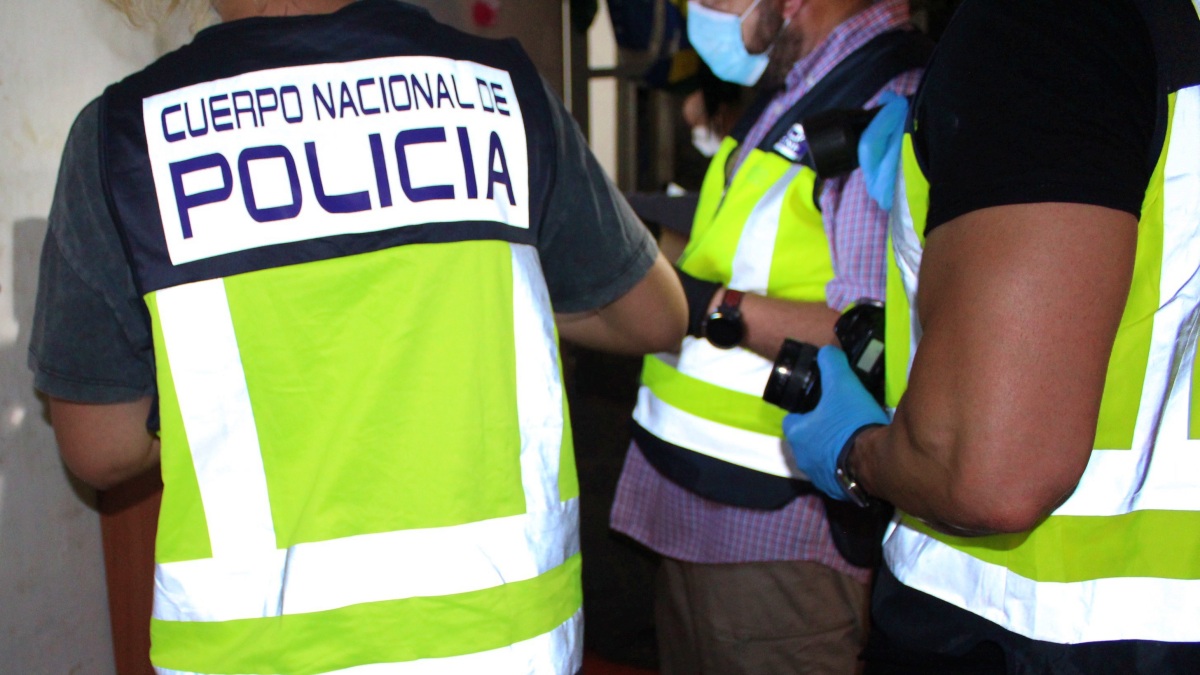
x,y
752,581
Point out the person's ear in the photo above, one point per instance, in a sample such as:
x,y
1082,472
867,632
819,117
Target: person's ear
x,y
789,8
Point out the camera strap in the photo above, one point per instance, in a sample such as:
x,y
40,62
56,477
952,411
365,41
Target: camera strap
x,y
850,84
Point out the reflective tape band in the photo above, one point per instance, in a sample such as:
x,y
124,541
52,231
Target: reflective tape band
x,y
1116,481
761,452
722,386
737,369
1069,549
1181,203
553,653
757,243
1120,608
206,367
249,577
539,384
906,227
710,401
401,632
327,575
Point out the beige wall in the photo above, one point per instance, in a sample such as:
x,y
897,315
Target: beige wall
x,y
537,24
55,55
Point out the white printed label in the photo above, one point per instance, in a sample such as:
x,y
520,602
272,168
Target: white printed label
x,y
291,154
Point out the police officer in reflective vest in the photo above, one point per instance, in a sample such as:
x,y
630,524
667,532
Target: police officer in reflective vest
x,y
329,255
1042,340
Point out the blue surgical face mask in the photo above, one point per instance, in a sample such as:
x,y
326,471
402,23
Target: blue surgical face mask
x,y
717,38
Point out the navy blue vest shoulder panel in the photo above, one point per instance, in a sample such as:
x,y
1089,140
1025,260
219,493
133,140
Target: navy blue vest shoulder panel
x,y
848,86
275,141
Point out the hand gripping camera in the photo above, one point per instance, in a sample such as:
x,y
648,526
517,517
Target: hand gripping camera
x,y
795,381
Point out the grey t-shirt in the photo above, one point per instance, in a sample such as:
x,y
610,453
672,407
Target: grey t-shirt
x,y
91,337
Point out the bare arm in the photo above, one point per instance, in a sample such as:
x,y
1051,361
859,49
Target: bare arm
x,y
104,444
770,320
1019,306
651,317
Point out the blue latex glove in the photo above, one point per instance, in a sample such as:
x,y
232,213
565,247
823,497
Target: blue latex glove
x,y
879,148
818,437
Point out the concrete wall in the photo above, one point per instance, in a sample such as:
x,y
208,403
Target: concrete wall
x,y
56,55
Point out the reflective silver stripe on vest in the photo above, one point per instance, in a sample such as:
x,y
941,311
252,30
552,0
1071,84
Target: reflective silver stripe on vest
x,y
745,448
736,369
1108,486
756,247
906,249
558,651
247,577
1123,608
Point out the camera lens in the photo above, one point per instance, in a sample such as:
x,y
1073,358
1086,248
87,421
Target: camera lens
x,y
795,382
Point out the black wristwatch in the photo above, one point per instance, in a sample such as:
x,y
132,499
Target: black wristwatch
x,y
858,496
724,328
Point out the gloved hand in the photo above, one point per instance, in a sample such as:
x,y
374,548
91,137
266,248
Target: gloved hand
x,y
818,437
879,148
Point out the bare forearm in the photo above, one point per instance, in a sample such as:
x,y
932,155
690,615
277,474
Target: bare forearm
x,y
1019,309
104,444
892,465
770,320
944,483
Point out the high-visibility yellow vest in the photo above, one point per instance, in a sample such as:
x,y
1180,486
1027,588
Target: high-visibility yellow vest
x,y
764,235
1120,560
366,454
759,231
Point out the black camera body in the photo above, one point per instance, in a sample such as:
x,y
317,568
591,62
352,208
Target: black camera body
x,y
795,381
833,140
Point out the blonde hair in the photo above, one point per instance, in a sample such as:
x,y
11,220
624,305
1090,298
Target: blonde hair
x,y
155,12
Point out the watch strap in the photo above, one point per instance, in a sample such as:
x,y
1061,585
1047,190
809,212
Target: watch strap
x,y
724,328
845,476
731,300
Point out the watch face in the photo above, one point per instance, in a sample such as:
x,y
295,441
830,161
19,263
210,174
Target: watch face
x,y
725,330
853,490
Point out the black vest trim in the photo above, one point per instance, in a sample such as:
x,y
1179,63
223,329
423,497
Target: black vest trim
x,y
854,80
716,479
359,33
848,86
745,123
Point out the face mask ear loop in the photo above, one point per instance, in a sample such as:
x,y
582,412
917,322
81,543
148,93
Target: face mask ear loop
x,y
749,9
786,22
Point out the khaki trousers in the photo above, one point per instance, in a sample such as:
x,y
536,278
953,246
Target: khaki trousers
x,y
770,618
